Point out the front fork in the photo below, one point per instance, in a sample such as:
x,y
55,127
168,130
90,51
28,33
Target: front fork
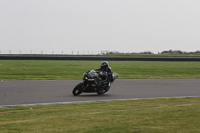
x,y
85,85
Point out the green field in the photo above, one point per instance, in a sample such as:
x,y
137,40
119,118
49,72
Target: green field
x,y
148,115
44,69
177,115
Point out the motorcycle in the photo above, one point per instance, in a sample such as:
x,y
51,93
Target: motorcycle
x,y
94,82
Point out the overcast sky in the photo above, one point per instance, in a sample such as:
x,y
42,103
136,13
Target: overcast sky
x,y
95,25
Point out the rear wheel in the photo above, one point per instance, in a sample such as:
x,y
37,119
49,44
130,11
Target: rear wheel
x,y
78,89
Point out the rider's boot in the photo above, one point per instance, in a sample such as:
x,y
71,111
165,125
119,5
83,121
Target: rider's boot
x,y
107,87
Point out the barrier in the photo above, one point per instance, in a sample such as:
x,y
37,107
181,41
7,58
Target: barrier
x,y
98,58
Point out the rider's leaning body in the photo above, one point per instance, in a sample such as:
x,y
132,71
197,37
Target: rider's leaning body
x,y
105,68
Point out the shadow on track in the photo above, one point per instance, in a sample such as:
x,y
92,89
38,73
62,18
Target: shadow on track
x,y
92,95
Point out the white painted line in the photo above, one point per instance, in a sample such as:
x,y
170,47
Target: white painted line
x,y
7,106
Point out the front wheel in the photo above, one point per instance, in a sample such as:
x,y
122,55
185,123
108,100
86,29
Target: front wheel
x,y
78,89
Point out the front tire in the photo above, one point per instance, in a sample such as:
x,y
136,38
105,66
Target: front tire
x,y
78,89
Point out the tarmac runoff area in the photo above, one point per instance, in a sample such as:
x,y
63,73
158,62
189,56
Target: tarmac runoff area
x,y
43,92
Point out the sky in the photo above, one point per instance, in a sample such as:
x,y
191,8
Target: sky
x,y
91,26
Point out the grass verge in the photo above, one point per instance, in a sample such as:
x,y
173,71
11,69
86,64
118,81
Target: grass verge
x,y
147,115
44,69
152,115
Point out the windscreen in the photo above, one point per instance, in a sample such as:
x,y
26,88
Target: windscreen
x,y
93,74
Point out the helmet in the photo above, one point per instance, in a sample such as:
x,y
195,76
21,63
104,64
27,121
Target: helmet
x,y
104,65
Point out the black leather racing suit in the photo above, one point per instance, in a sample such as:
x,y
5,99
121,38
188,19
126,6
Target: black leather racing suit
x,y
109,72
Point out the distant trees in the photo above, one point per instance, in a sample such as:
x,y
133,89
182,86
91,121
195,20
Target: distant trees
x,y
146,52
179,52
172,52
149,52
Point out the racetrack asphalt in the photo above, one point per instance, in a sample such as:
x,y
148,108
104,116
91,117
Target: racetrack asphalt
x,y
31,92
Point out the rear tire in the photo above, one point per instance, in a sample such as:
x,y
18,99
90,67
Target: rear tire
x,y
78,89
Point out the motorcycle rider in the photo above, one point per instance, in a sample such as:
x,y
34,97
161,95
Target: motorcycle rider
x,y
105,68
